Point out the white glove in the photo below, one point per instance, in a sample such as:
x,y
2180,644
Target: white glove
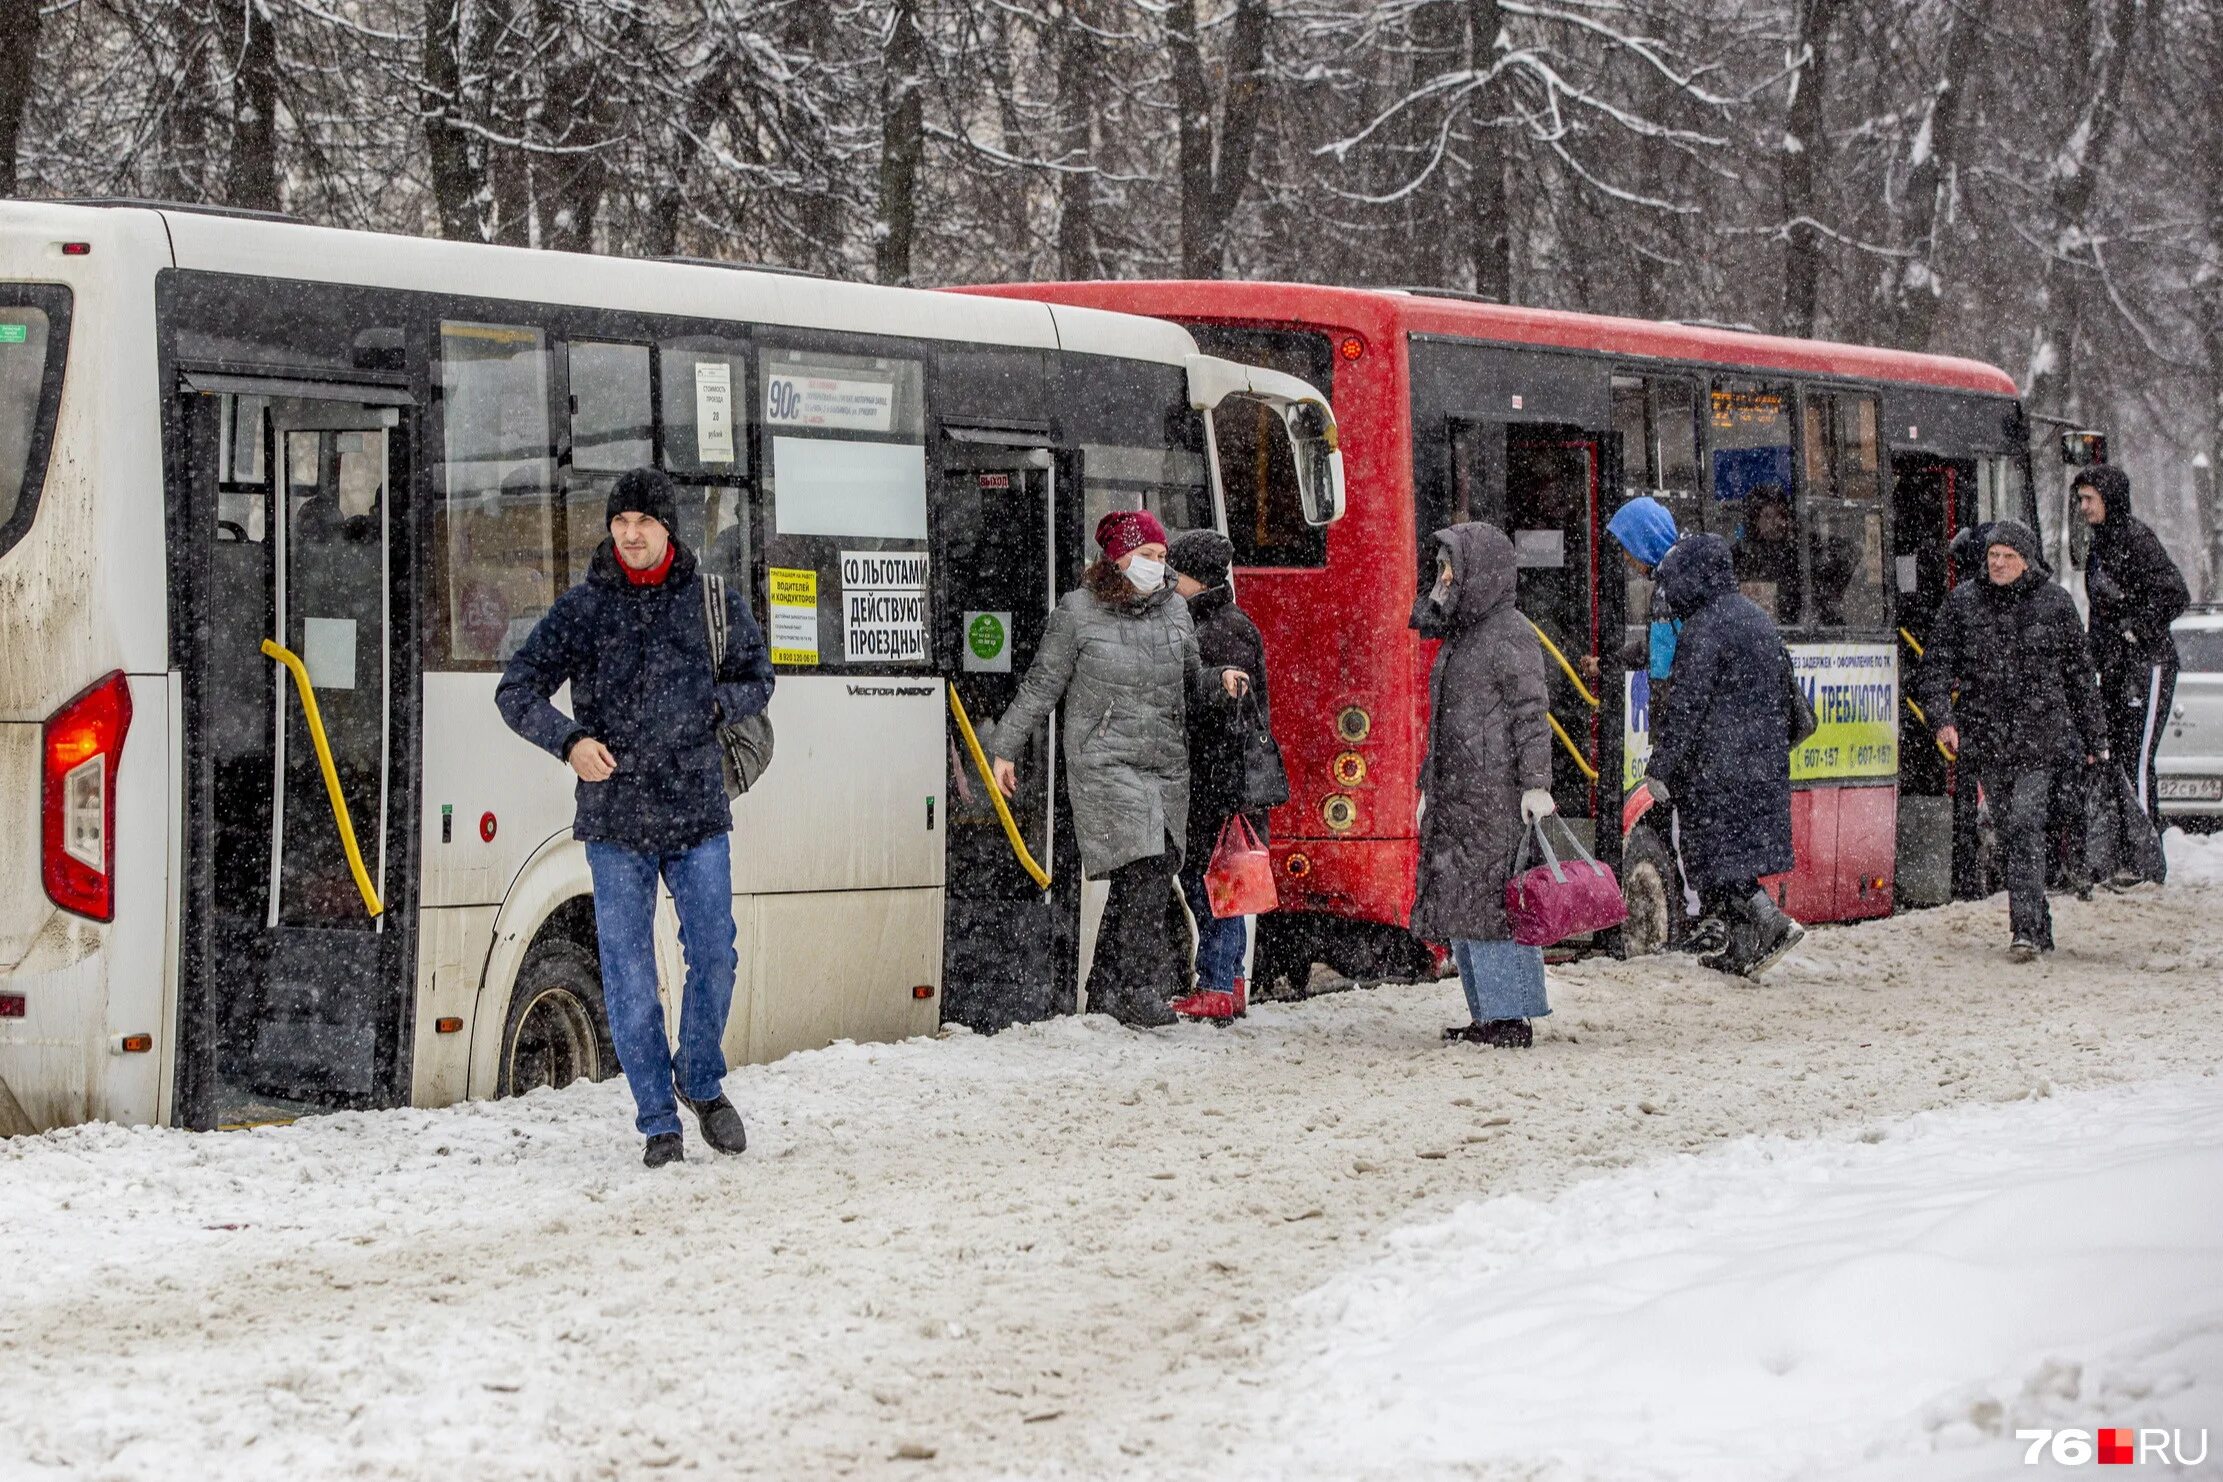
x,y
1536,803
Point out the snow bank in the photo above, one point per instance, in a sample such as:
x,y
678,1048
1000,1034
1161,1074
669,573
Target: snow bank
x,y
2194,859
1892,1305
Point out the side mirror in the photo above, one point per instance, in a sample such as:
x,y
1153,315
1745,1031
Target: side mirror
x,y
2082,449
1319,460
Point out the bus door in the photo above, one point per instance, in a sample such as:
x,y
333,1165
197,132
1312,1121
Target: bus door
x,y
1009,951
1931,499
298,947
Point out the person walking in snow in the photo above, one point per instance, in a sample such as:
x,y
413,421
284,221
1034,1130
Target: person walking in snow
x,y
2135,592
1120,655
1721,753
1203,563
2009,689
1485,780
1646,530
633,642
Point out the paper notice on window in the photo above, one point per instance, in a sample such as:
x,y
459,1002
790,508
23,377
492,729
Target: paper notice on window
x,y
798,398
328,652
713,411
1910,579
794,616
883,607
1545,548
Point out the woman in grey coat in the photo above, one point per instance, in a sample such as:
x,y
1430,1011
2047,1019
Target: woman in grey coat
x,y
1486,778
1120,656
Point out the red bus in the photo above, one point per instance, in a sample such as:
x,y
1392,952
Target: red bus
x,y
1839,474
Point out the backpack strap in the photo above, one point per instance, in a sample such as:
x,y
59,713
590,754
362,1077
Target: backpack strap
x,y
714,615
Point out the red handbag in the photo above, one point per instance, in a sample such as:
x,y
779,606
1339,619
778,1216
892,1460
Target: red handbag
x,y
1240,879
1559,898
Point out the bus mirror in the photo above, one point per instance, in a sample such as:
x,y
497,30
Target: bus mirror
x,y
2082,449
1319,461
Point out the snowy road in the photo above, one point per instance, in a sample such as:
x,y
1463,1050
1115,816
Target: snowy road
x,y
1067,1251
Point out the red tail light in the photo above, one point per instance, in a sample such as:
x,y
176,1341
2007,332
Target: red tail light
x,y
77,798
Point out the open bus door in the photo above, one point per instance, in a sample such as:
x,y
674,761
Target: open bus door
x,y
291,532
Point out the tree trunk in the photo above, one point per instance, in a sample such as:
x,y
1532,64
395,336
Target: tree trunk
x,y
19,21
1805,143
1916,289
183,173
1489,212
1079,63
458,162
1215,162
902,141
251,45
502,48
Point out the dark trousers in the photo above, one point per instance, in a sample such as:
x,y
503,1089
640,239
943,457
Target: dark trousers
x,y
2021,802
1723,896
1142,943
2138,700
1969,882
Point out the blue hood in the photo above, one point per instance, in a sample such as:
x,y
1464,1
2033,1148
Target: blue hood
x,y
1645,529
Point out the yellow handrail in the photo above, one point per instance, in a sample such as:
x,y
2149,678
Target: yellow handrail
x,y
1566,668
1918,715
300,675
1581,764
995,794
1909,637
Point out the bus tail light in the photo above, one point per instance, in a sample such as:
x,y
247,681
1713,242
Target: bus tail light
x,y
77,798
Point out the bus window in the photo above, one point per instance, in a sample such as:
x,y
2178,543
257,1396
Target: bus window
x,y
1632,423
1751,443
1656,420
1844,510
612,421
495,525
1142,447
1675,435
844,481
1998,488
30,389
1265,516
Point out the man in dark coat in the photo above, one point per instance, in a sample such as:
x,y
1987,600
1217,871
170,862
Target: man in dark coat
x,y
2009,689
1721,751
1203,562
2135,592
633,642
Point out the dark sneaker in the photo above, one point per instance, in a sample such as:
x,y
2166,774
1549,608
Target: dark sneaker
x,y
664,1147
720,1123
1708,937
1508,1034
2022,949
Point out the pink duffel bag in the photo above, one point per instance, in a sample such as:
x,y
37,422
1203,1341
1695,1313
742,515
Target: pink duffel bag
x,y
1560,898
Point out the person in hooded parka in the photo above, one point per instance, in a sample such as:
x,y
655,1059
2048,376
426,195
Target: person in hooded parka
x,y
1721,752
1486,778
2135,592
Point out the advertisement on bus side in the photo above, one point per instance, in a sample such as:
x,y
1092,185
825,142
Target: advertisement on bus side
x,y
1854,689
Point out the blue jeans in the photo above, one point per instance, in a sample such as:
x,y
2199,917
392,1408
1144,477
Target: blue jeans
x,y
701,881
1220,940
1503,980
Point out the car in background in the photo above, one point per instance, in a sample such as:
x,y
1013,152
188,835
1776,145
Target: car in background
x,y
2188,771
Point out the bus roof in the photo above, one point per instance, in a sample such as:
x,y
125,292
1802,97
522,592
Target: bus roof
x,y
1381,314
273,247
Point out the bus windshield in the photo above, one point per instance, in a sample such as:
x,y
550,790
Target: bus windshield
x,y
30,385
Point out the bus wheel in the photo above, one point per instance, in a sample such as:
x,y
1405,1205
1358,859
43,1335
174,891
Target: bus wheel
x,y
556,1030
1647,874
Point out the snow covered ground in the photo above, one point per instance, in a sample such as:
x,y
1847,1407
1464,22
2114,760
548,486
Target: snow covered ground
x,y
1862,1221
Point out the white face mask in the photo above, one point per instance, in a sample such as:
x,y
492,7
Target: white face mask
x,y
1146,575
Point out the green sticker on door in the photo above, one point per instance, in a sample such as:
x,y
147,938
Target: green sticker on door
x,y
988,642
15,334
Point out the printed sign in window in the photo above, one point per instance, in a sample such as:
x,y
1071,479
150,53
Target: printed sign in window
x,y
802,398
713,411
883,602
794,616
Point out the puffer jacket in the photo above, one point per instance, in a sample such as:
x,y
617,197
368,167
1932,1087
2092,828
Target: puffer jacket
x,y
1487,740
638,663
2135,590
1126,675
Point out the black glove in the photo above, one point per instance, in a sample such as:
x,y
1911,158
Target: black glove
x,y
2101,587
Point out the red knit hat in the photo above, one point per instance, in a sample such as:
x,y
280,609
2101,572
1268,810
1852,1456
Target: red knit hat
x,y
1123,529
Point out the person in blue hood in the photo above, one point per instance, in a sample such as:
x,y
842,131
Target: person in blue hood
x,y
1646,530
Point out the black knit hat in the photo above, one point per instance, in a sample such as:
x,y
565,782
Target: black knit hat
x,y
1205,556
2017,537
643,491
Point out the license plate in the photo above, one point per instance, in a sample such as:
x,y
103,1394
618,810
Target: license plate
x,y
2191,789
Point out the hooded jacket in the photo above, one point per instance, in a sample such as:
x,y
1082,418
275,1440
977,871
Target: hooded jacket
x,y
2007,666
1722,738
1487,741
1226,638
2134,589
637,659
1646,529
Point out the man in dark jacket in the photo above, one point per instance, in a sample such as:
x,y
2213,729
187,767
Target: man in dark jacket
x,y
2135,593
633,642
1202,562
2008,687
1721,751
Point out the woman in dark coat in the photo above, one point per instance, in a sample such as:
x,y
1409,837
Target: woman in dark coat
x,y
1487,776
1120,658
1721,750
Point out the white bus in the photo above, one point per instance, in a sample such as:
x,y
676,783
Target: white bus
x,y
230,447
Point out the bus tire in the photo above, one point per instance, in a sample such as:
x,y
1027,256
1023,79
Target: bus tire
x,y
1649,890
556,1031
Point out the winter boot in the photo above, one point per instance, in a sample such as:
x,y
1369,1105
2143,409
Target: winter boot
x,y
1206,1003
1759,937
1462,1033
2022,949
664,1147
1708,937
1137,1008
720,1123
1508,1034
1242,998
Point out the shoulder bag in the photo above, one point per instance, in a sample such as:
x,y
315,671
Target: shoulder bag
x,y
744,745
